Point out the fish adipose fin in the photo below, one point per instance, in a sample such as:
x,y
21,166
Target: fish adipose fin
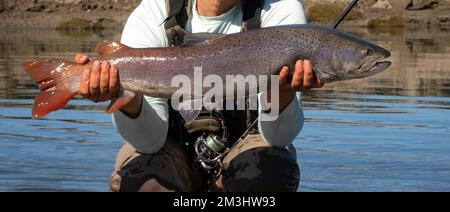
x,y
107,48
58,85
200,39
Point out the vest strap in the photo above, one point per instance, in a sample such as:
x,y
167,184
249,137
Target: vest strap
x,y
252,14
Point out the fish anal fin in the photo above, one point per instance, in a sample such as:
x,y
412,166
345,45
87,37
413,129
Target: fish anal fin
x,y
124,98
51,100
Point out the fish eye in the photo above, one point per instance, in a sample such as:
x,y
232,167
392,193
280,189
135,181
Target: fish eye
x,y
367,52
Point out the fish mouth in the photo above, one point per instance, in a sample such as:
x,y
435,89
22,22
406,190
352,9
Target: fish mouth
x,y
380,66
377,68
372,67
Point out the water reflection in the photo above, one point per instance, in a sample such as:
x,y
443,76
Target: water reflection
x,y
384,133
421,64
375,143
421,60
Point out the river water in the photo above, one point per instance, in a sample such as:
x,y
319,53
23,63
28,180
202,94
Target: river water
x,y
390,132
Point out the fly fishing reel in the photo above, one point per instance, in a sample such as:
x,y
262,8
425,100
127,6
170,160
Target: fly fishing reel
x,y
209,149
211,139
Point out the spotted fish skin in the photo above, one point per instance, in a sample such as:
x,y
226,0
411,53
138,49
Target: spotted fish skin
x,y
336,56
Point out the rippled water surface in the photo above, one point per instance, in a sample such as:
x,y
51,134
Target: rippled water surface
x,y
386,133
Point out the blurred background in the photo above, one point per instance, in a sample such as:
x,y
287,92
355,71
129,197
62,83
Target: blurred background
x,y
390,132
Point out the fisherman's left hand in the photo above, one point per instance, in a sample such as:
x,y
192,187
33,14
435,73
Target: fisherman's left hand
x,y
303,79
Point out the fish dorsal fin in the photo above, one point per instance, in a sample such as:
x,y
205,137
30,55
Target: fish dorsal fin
x,y
200,39
106,48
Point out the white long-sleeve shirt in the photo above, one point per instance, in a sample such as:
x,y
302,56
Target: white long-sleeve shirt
x,y
145,29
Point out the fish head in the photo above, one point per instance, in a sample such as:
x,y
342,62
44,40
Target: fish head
x,y
343,57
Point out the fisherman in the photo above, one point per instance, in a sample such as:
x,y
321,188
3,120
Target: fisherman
x,y
163,153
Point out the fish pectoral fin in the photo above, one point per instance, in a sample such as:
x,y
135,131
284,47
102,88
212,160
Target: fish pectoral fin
x,y
200,38
106,48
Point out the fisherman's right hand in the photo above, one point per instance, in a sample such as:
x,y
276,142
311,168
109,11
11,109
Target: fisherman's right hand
x,y
101,83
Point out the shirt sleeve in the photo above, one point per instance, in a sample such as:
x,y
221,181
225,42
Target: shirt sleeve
x,y
282,12
289,124
284,130
148,132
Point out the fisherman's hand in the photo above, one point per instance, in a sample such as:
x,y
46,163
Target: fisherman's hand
x,y
302,80
101,83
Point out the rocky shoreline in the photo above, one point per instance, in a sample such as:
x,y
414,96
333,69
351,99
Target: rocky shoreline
x,y
54,13
391,13
101,14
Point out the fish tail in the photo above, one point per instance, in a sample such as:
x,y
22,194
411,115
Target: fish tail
x,y
58,82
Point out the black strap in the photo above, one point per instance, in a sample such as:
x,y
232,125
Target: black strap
x,y
252,14
178,13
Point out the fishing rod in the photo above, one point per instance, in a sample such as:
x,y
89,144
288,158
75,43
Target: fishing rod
x,y
345,13
339,21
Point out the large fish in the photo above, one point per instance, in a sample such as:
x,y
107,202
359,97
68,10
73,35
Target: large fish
x,y
335,55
